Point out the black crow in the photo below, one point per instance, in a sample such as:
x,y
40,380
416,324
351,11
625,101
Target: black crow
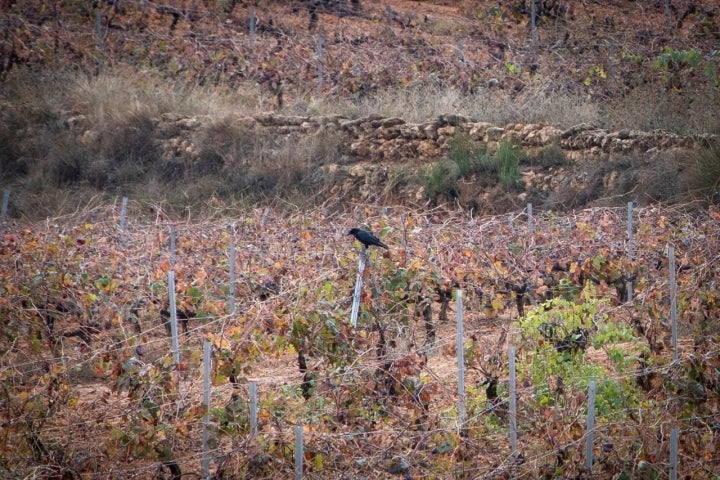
x,y
366,238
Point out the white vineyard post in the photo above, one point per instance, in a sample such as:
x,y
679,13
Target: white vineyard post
x,y
461,361
98,29
630,250
207,350
299,454
5,202
590,426
263,220
123,220
172,246
530,222
173,318
358,289
630,246
629,290
253,410
673,303
513,402
319,58
533,20
231,287
674,454
252,30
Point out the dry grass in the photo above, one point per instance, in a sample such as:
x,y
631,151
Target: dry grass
x,y
418,103
654,107
63,129
118,94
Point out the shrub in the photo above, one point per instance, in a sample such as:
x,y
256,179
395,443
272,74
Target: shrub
x,y
131,140
324,147
11,154
469,157
556,335
67,163
440,180
549,156
465,159
670,59
125,153
708,165
224,144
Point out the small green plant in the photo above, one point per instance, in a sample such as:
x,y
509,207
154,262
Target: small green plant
x,y
513,69
507,158
549,156
671,59
632,57
495,12
468,157
440,180
710,72
596,72
558,333
231,418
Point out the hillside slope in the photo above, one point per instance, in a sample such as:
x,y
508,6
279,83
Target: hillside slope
x,y
337,47
88,91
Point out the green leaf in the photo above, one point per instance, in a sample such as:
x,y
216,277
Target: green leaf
x,y
598,262
194,293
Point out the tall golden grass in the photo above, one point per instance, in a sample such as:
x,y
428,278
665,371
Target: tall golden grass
x,y
71,136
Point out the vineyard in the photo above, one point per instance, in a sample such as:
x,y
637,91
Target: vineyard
x,y
223,324
91,388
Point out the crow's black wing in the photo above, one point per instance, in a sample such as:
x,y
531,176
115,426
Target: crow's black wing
x,y
367,238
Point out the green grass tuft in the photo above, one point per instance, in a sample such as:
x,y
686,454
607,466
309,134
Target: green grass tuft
x,y
440,180
708,164
507,158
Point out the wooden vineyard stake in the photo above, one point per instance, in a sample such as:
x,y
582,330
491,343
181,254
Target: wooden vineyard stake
x,y
5,203
674,454
173,318
590,426
231,286
253,410
299,454
172,246
530,221
513,402
358,289
461,362
207,350
123,220
673,303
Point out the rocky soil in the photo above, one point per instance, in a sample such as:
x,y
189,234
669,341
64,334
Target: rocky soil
x,y
586,165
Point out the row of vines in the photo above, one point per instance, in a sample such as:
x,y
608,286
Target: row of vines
x,y
296,46
90,388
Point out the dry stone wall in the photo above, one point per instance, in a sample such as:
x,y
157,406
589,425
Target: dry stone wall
x,y
376,138
370,150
